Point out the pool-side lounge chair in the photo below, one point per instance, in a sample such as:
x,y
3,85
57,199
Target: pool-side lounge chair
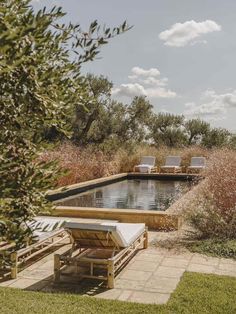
x,y
172,165
197,164
147,165
47,232
101,249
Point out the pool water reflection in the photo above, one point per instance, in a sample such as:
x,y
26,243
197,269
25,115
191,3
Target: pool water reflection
x,y
131,194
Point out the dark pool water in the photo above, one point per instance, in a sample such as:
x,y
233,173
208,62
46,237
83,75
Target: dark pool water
x,y
133,194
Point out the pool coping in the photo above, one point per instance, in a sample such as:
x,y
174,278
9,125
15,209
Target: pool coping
x,y
157,220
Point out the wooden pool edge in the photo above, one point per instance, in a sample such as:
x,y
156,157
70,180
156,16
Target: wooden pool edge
x,y
153,219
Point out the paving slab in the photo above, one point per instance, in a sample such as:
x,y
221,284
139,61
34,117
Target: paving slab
x,y
225,273
173,262
143,265
137,275
200,268
165,271
228,267
129,284
205,260
125,295
112,294
161,284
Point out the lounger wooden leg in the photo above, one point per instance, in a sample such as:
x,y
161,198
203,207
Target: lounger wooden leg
x,y
110,275
57,268
145,243
14,260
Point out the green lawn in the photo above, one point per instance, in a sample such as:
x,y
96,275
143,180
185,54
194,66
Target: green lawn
x,y
196,293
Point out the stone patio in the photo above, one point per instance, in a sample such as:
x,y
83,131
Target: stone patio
x,y
150,277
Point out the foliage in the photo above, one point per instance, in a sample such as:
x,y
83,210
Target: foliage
x,y
214,247
40,61
195,130
166,129
196,293
212,210
216,137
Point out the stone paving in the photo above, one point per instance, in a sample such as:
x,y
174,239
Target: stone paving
x,y
150,277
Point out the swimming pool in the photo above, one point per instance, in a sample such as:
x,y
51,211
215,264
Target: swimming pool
x,y
133,193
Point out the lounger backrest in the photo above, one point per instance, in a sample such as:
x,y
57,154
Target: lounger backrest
x,y
46,224
92,235
198,161
148,160
173,161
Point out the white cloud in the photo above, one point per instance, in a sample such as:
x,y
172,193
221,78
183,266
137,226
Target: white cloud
x,y
137,71
213,106
145,83
129,90
181,34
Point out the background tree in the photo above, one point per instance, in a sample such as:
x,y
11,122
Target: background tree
x,y
139,115
195,130
98,99
216,137
40,61
167,129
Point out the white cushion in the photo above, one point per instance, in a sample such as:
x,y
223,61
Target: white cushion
x,y
170,166
127,233
123,233
145,168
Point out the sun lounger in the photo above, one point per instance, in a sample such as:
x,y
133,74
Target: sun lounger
x,y
172,165
47,232
147,165
100,251
197,164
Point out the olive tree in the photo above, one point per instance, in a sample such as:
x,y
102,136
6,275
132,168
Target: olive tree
x,y
167,129
40,66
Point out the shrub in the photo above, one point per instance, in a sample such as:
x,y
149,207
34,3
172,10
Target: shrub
x,y
212,211
214,247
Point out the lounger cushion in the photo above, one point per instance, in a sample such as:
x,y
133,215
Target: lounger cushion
x,y
123,233
170,167
145,168
127,233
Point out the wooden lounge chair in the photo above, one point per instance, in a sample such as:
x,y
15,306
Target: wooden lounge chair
x,y
147,165
197,164
47,232
172,165
102,250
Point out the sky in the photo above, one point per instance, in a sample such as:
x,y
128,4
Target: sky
x,y
180,54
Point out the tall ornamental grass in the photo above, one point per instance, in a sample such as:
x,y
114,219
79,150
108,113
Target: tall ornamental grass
x,y
86,163
212,209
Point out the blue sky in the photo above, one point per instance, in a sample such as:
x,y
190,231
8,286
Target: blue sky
x,y
180,53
